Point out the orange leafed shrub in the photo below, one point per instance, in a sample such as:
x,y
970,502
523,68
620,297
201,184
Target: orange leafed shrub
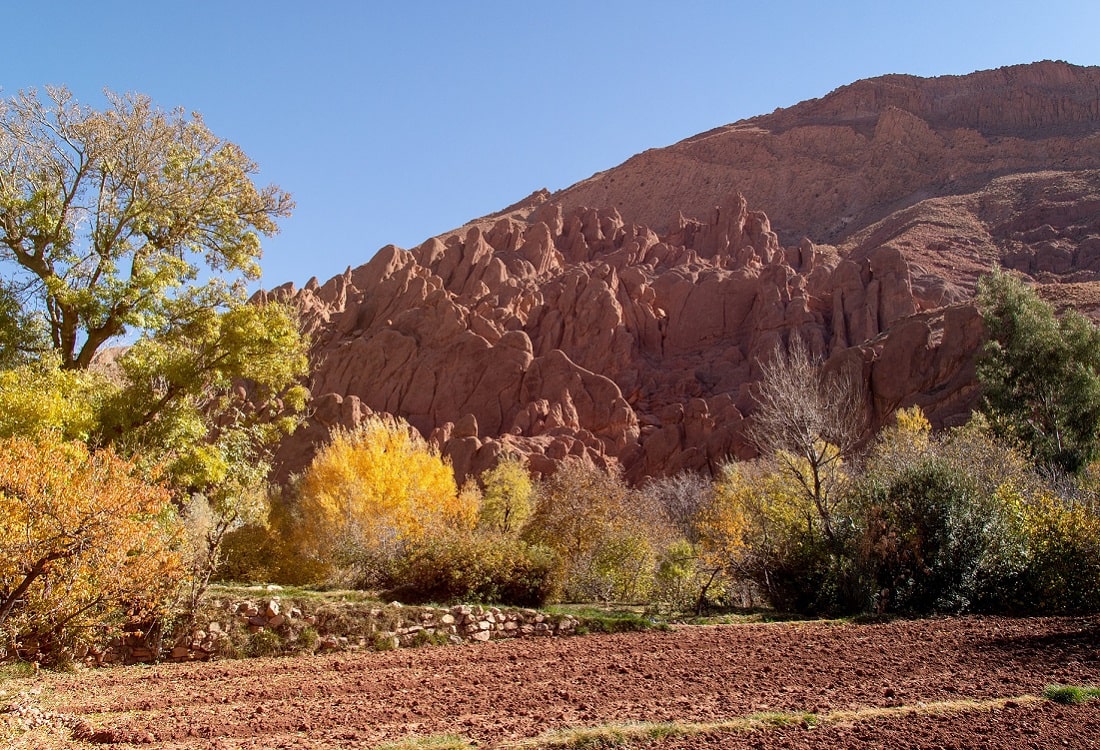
x,y
83,540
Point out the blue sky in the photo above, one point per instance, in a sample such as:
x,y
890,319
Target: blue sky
x,y
391,122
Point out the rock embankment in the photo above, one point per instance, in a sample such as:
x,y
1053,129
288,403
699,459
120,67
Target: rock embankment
x,y
267,626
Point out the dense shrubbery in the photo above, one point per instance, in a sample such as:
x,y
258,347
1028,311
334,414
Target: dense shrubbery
x,y
609,540
1040,374
950,523
918,523
380,509
474,568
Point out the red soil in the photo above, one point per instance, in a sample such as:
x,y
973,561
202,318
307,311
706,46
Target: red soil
x,y
509,691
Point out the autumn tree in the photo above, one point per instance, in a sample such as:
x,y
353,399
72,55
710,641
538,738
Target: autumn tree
x,y
687,577
38,398
607,538
132,221
765,528
810,420
135,222
83,538
124,220
372,490
507,497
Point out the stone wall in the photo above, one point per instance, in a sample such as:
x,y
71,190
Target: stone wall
x,y
269,625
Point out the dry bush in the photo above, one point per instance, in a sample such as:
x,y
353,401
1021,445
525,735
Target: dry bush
x,y
609,539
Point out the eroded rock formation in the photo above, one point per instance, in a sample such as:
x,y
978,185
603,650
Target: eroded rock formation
x,y
632,333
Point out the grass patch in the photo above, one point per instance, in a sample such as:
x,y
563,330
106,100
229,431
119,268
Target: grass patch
x,y
620,735
781,719
761,615
606,736
296,593
384,642
1071,695
16,670
939,708
613,618
429,638
264,643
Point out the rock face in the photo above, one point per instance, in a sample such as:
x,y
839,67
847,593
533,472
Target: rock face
x,y
631,334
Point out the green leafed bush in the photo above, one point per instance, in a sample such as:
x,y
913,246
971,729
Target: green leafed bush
x,y
475,568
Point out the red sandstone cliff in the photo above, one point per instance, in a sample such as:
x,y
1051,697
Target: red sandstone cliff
x,y
631,333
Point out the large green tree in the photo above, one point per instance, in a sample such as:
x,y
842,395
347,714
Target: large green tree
x,y
123,220
140,226
1040,374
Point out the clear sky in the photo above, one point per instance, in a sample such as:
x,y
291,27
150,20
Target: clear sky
x,y
391,122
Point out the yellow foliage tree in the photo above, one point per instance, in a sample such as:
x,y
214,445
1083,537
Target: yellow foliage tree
x,y
38,397
373,489
756,509
900,444
764,527
82,539
508,498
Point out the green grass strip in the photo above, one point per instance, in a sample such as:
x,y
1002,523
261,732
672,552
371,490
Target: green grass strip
x,y
1071,695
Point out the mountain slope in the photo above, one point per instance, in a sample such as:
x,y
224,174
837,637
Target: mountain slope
x,y
623,320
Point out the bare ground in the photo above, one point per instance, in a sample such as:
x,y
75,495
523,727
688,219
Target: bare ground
x,y
956,682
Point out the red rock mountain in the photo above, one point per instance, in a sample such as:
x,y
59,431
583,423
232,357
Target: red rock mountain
x,y
623,320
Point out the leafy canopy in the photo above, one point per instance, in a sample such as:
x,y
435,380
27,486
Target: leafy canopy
x,y
113,220
1040,374
133,220
606,536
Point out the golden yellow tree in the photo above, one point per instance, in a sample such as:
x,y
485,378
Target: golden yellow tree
x,y
373,489
82,539
508,498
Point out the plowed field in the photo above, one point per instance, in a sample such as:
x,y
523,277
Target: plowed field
x,y
959,682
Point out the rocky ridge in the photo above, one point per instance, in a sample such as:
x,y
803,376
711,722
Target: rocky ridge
x,y
559,330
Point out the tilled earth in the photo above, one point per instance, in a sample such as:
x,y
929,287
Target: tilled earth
x,y
521,691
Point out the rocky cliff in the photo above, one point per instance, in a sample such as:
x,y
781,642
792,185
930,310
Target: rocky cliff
x,y
623,320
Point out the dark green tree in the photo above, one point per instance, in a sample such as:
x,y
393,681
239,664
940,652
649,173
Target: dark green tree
x,y
1040,374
